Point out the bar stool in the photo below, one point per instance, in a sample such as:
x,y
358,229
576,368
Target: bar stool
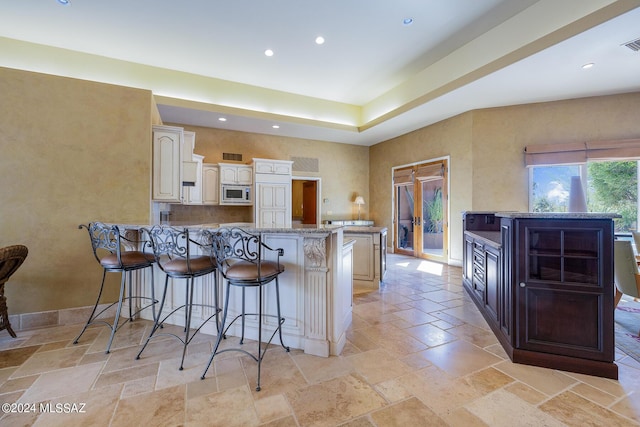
x,y
172,248
108,244
241,258
11,257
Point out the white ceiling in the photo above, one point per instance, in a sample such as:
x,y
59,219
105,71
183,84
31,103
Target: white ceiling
x,y
373,79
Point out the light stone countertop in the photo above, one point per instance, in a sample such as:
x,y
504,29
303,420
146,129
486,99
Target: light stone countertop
x,y
249,227
559,215
364,229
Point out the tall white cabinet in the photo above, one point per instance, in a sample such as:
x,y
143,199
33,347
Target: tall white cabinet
x,y
210,184
272,206
167,163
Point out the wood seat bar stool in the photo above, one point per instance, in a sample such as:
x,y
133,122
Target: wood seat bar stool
x,y
173,249
11,257
118,254
244,262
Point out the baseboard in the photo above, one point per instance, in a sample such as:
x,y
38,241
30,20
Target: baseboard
x,y
66,316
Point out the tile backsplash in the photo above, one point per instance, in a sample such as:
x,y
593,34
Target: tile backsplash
x,y
210,214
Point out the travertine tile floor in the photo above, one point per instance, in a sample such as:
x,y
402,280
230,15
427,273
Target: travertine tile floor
x,y
418,354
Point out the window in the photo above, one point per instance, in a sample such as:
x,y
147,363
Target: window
x,y
611,186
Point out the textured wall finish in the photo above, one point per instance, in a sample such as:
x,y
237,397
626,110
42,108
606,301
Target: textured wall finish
x,y
72,151
486,149
344,168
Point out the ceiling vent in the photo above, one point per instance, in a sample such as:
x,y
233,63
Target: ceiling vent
x,y
232,156
633,45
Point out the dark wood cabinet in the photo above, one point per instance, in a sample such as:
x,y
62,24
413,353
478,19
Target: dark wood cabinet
x,y
545,287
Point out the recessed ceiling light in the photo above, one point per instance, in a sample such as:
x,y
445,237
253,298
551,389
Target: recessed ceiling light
x,y
587,66
407,21
276,126
64,2
319,40
268,52
222,119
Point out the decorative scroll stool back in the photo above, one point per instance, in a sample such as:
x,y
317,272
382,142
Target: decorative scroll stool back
x,y
11,257
110,250
174,252
244,262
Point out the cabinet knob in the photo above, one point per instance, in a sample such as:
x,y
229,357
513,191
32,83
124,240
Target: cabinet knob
x,y
522,284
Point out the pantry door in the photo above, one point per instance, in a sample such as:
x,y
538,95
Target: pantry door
x,y
420,210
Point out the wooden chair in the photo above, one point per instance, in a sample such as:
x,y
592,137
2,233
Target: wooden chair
x,y
11,257
626,274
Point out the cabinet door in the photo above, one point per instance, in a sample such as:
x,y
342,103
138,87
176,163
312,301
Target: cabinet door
x,y
193,195
272,218
493,282
363,253
210,186
167,147
228,175
244,175
468,259
564,288
273,205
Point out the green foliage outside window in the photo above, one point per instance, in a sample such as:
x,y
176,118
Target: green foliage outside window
x,y
613,188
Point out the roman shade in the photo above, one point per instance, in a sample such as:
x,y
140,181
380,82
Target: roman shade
x,y
403,176
430,172
581,152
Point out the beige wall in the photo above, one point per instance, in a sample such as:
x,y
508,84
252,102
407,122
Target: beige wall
x,y
72,151
486,151
447,138
344,168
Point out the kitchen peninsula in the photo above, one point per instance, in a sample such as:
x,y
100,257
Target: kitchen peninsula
x,y
315,288
544,284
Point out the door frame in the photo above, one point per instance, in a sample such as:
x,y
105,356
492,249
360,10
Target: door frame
x,y
447,238
318,194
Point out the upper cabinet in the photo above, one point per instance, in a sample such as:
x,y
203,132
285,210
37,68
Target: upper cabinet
x,y
210,184
192,193
167,163
235,174
277,167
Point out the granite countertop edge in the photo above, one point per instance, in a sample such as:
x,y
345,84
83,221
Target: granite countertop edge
x,y
249,227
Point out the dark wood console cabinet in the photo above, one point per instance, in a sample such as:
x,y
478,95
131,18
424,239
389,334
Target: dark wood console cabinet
x,y
544,284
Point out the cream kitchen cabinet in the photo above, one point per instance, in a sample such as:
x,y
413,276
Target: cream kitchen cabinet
x,y
272,193
235,174
273,205
167,164
369,256
192,194
210,184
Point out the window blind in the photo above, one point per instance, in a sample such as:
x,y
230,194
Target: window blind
x,y
580,152
403,176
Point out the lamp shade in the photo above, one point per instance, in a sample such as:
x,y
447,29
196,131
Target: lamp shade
x,y
359,200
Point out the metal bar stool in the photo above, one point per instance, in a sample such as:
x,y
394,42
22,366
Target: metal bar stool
x,y
107,244
241,258
11,257
172,249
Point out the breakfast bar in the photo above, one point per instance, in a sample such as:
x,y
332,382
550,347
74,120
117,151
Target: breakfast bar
x,y
315,289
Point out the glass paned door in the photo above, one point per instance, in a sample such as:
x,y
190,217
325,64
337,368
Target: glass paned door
x,y
421,210
404,218
433,214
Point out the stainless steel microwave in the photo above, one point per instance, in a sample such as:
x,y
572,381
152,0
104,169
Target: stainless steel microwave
x,y
236,194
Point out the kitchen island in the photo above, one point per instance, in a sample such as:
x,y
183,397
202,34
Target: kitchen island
x,y
544,284
315,288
